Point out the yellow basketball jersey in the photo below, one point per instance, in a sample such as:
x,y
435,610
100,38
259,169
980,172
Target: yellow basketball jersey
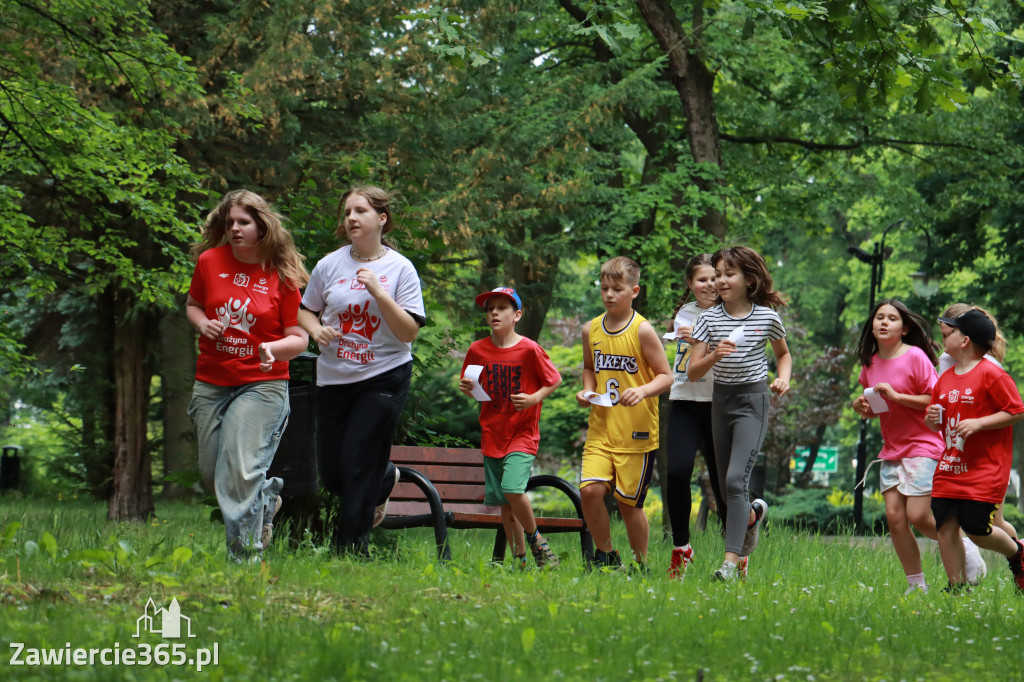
x,y
619,364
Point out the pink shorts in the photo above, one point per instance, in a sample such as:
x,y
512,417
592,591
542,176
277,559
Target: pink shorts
x,y
911,476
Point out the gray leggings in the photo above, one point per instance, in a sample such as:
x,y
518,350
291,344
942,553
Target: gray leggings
x,y
739,421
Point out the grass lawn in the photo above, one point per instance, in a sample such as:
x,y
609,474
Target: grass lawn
x,y
813,609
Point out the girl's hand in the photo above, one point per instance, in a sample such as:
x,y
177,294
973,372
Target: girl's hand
x,y
582,401
684,334
933,416
863,408
266,358
212,329
965,428
324,335
725,348
369,279
886,391
466,386
779,386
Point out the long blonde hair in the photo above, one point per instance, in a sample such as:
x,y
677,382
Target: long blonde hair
x,y
998,350
276,247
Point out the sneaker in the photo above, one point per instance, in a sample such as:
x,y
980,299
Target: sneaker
x,y
681,560
760,508
519,562
267,533
954,589
976,568
1017,566
741,567
542,553
610,560
381,510
726,573
912,589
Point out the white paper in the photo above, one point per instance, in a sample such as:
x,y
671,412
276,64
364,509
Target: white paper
x,y
683,319
473,374
877,402
738,335
602,399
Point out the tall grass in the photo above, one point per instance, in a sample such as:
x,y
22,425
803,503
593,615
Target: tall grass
x,y
814,608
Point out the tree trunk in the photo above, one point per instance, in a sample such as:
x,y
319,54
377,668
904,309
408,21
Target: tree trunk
x,y
177,372
694,83
132,495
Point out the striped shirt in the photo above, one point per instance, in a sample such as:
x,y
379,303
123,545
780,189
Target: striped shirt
x,y
748,364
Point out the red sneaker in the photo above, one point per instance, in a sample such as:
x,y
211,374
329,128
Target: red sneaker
x,y
681,560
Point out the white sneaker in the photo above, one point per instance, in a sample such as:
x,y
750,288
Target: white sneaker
x,y
923,589
760,509
726,573
976,568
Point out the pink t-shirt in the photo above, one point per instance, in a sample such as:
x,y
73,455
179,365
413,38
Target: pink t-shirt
x,y
904,433
523,368
979,467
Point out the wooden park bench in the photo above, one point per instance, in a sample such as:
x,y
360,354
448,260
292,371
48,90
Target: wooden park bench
x,y
444,488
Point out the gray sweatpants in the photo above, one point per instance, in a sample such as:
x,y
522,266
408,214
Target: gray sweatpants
x,y
739,421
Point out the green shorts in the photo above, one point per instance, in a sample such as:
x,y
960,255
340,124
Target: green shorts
x,y
508,474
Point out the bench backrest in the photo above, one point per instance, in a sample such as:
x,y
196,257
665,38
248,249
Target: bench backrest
x,y
457,473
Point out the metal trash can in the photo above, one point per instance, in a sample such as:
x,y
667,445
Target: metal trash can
x,y
10,468
295,460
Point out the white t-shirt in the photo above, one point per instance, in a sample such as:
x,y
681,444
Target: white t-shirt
x,y
682,388
367,347
946,361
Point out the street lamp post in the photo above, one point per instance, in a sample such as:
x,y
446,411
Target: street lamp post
x,y
876,260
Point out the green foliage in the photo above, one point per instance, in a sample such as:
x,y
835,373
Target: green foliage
x,y
814,606
826,511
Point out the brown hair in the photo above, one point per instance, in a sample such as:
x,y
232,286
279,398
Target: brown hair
x,y
998,350
621,269
703,259
915,333
753,266
276,246
379,199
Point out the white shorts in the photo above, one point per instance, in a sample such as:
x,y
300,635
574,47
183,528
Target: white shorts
x,y
911,476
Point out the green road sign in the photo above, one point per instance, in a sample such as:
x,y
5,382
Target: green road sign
x,y
827,460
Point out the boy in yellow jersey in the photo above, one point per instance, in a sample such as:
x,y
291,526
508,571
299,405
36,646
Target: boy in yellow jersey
x,y
624,370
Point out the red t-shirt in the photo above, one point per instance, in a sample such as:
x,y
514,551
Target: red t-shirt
x,y
523,368
978,468
254,306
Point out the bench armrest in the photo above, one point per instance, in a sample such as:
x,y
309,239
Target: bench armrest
x,y
551,481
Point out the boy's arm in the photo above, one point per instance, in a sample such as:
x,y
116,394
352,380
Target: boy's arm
x,y
589,378
997,420
654,356
522,401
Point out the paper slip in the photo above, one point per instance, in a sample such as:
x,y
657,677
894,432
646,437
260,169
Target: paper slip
x,y
602,399
877,402
683,319
473,374
738,335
